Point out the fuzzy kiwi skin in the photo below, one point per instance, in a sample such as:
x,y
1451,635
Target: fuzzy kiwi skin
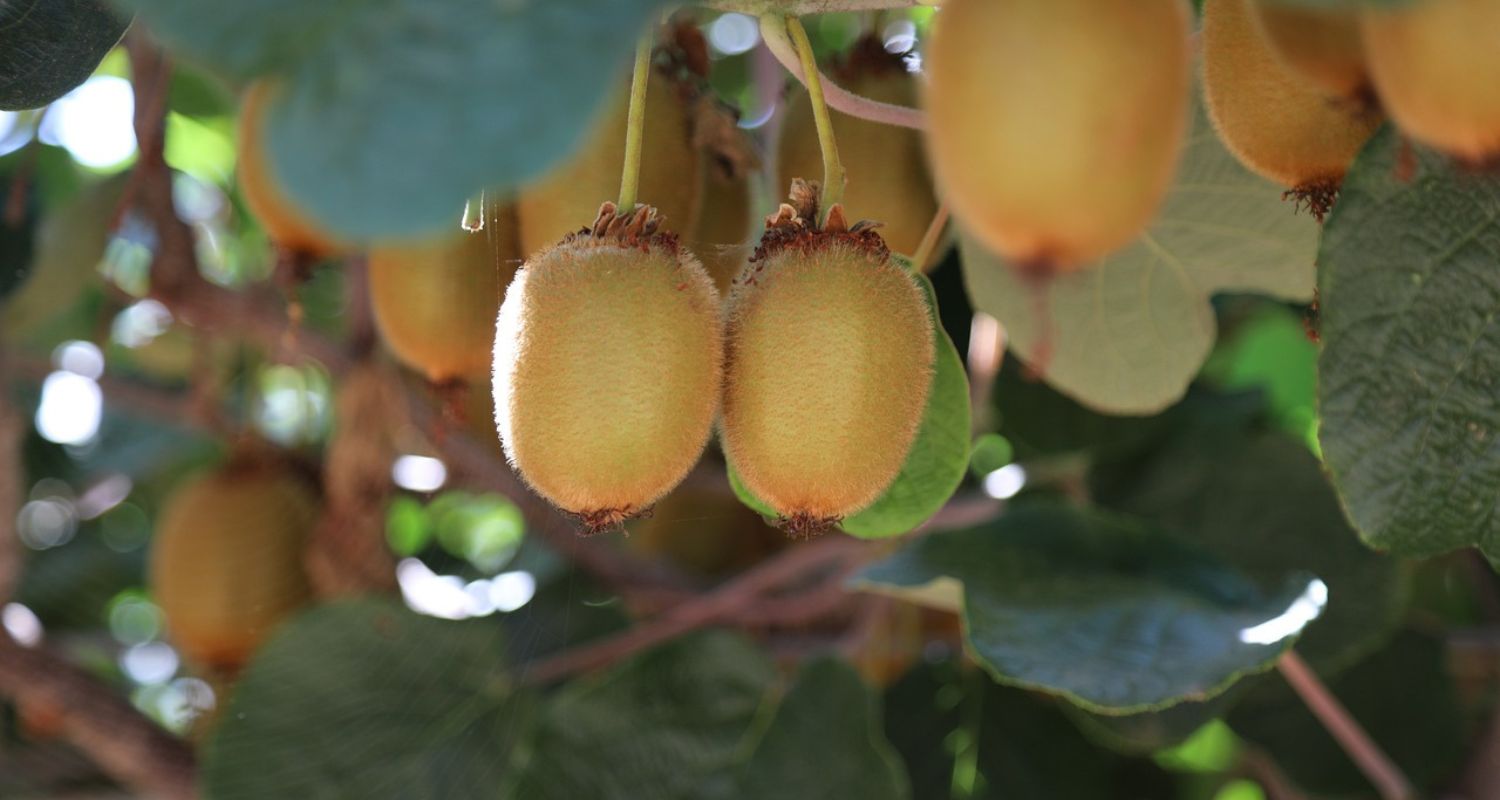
x,y
829,364
671,177
226,560
1321,45
888,181
1277,125
435,300
1056,125
722,239
286,224
1436,67
608,361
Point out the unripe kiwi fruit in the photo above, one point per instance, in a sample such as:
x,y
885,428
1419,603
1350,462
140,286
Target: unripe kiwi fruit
x,y
1277,124
608,360
435,300
226,559
1436,66
888,180
705,530
1055,125
671,173
829,361
1321,45
722,239
287,224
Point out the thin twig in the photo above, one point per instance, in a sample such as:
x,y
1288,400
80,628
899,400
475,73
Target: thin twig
x,y
930,240
780,45
1387,778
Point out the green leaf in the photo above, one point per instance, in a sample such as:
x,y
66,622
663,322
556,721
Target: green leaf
x,y
1128,334
665,725
1260,503
396,112
824,742
1114,615
1410,299
47,47
1271,351
939,456
367,699
990,452
70,241
1403,697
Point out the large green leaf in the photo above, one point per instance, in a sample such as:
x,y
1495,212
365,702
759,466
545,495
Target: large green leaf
x,y
1410,368
1117,616
1128,334
824,743
367,699
47,47
938,459
398,110
1260,502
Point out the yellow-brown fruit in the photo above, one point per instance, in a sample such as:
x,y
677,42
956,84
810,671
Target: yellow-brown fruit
x,y
671,177
1321,45
705,530
722,239
435,301
1275,123
226,560
608,359
888,180
286,224
1436,66
829,360
1055,125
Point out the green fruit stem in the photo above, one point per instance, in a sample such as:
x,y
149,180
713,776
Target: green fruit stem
x,y
833,169
635,125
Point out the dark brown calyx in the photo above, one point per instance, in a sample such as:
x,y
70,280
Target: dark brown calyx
x,y
802,525
639,228
795,225
605,520
1315,197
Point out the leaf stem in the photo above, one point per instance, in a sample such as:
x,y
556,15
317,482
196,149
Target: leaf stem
x,y
635,126
833,169
780,45
929,244
1388,779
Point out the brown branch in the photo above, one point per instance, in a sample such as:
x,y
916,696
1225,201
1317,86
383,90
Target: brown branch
x,y
12,473
1362,750
131,748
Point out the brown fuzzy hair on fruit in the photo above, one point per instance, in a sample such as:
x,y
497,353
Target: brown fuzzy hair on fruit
x,y
829,363
1055,125
608,359
226,559
435,300
1436,67
286,224
1277,124
1322,45
888,179
671,176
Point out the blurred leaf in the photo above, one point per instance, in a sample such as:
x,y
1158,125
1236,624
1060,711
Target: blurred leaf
x,y
47,47
568,609
367,699
989,453
203,148
1411,352
1271,352
1150,731
1128,334
1117,616
1260,503
824,742
17,237
392,110
70,242
407,530
1402,696
665,725
938,458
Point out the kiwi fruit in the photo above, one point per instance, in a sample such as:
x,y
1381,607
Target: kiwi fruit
x,y
608,360
1436,67
1277,124
288,225
888,180
1321,45
829,361
226,559
1055,126
671,176
435,300
704,530
722,239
